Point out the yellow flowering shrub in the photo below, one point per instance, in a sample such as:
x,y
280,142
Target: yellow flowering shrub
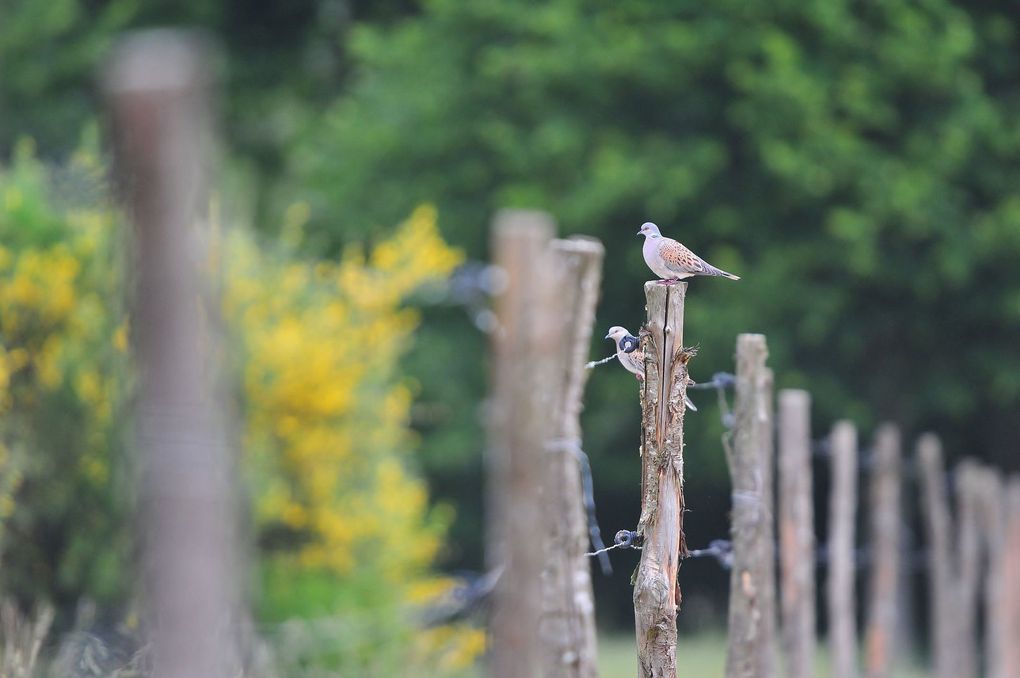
x,y
61,383
343,525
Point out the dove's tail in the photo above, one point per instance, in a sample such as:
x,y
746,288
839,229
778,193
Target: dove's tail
x,y
712,270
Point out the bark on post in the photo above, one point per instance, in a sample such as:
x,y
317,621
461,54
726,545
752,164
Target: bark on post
x,y
567,628
941,577
656,592
157,86
796,534
1010,560
840,584
520,426
751,628
883,594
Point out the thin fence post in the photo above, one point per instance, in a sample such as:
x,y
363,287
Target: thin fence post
x,y
656,591
883,595
941,571
992,519
969,488
158,86
751,626
840,583
523,384
796,534
1010,560
567,628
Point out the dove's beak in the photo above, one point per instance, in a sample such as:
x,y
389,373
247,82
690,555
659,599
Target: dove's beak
x,y
608,337
640,231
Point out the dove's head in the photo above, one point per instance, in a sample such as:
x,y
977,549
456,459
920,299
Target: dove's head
x,y
649,230
616,333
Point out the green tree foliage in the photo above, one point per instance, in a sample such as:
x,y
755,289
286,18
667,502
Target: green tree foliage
x,y
855,163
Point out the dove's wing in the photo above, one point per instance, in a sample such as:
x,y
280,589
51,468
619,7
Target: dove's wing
x,y
633,361
679,259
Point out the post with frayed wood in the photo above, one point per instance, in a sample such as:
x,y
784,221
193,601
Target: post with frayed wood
x,y
796,534
158,89
941,571
749,454
520,424
883,591
656,591
1009,616
567,628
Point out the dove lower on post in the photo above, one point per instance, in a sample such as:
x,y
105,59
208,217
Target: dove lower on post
x,y
633,358
671,261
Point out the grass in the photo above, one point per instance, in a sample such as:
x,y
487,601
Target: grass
x,y
702,655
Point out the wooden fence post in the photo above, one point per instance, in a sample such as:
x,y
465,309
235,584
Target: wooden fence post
x,y
992,519
656,592
157,85
751,627
567,629
796,534
1010,560
969,531
523,384
883,594
840,583
941,576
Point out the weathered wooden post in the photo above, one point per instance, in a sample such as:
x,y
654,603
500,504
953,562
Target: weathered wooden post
x,y
992,519
941,577
656,592
796,534
840,583
752,612
157,85
1010,563
567,629
969,532
520,424
883,594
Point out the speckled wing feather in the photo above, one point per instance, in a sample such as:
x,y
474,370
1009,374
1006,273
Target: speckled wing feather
x,y
633,361
679,259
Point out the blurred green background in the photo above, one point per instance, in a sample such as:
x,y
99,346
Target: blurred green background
x,y
856,163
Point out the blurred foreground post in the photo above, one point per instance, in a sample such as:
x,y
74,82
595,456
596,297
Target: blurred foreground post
x,y
158,90
524,384
941,573
656,592
883,595
840,584
751,628
796,534
567,629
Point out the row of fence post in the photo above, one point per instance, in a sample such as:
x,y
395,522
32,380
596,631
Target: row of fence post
x,y
973,562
